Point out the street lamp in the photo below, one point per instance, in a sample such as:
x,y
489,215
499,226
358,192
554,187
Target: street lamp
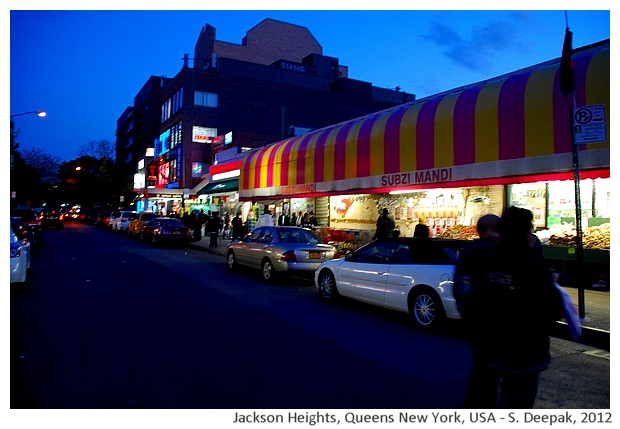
x,y
39,113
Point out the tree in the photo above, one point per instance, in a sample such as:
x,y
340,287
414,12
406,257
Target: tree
x,y
99,149
33,174
88,181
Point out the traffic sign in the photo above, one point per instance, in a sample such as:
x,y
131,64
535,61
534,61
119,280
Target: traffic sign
x,y
589,124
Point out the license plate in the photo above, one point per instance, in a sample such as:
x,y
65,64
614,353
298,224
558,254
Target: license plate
x,y
176,233
314,255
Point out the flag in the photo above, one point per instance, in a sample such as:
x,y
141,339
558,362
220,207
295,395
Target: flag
x,y
567,68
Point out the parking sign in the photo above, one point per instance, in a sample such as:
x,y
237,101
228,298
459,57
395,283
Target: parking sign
x,y
589,124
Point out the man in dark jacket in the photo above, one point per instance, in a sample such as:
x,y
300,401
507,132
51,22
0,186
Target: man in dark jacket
x,y
511,309
213,226
385,226
470,261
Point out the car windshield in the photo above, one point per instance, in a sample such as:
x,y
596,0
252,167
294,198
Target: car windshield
x,y
297,235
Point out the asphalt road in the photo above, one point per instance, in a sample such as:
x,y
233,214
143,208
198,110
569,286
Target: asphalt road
x,y
111,323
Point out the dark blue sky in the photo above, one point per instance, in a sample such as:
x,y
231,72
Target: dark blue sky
x,y
85,67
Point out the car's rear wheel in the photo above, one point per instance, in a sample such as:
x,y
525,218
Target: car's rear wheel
x,y
426,309
231,260
268,271
327,286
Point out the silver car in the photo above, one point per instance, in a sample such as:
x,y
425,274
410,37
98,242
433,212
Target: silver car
x,y
279,249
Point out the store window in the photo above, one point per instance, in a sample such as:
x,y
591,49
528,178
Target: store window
x,y
206,99
553,203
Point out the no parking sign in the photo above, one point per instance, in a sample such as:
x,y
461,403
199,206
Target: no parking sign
x,y
589,125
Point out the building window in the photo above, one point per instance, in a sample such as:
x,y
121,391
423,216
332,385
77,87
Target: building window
x,y
206,99
172,105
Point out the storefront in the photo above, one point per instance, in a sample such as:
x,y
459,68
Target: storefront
x,y
448,159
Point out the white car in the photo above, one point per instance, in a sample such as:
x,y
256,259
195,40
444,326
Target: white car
x,y
413,275
121,222
20,258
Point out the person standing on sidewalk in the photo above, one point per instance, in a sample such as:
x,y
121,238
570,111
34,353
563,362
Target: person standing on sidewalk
x,y
237,227
213,226
266,219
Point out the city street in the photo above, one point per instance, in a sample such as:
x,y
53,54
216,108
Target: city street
x,y
109,322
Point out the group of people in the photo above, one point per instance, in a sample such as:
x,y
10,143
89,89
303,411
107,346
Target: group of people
x,y
306,220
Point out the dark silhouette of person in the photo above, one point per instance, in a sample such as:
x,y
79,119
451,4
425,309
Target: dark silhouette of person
x,y
385,226
510,309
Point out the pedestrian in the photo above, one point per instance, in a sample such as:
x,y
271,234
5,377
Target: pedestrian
x,y
470,259
225,226
213,226
237,227
385,226
421,231
300,219
284,219
294,219
266,219
511,309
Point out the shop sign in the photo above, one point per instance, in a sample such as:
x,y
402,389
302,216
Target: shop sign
x,y
417,177
589,124
298,189
203,134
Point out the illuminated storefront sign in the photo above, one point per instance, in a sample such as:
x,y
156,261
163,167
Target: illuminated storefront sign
x,y
203,134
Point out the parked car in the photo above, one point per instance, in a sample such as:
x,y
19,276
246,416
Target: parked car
x,y
413,275
33,224
20,258
279,249
52,218
134,228
112,219
121,222
22,230
165,229
103,219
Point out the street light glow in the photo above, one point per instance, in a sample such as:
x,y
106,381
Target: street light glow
x,y
39,113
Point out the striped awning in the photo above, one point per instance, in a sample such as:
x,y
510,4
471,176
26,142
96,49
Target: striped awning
x,y
513,125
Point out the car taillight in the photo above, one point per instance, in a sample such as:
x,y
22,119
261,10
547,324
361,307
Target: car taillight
x,y
289,256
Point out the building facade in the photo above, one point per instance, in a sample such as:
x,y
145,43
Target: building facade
x,y
237,97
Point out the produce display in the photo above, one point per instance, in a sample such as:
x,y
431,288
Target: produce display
x,y
593,237
460,232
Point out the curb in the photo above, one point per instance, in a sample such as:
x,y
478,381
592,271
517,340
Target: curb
x,y
593,337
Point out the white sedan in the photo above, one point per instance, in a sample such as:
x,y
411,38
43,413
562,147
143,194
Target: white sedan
x,y
413,275
20,258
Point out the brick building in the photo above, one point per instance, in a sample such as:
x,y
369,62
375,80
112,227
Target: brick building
x,y
236,97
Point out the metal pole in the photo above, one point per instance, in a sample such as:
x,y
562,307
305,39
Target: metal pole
x,y
579,248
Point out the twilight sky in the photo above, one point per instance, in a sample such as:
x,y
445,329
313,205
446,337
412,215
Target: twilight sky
x,y
84,67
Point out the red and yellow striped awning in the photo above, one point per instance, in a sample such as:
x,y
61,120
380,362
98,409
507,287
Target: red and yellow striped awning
x,y
514,125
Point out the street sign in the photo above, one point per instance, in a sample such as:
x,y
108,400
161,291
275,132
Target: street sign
x,y
589,124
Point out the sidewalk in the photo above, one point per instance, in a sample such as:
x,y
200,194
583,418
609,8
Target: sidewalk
x,y
595,325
